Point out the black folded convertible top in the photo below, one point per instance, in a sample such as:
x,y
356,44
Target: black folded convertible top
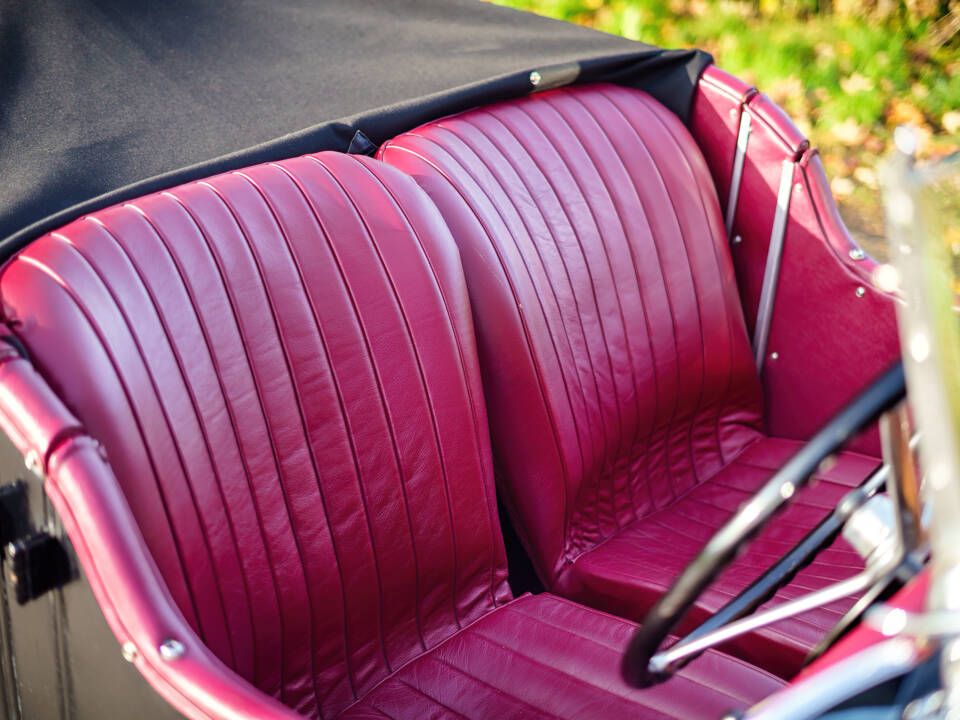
x,y
104,100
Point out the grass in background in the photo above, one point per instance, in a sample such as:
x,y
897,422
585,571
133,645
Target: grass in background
x,y
847,74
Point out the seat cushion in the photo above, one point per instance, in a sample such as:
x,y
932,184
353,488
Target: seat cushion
x,y
545,657
631,570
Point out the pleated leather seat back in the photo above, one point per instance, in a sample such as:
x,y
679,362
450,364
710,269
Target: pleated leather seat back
x,y
616,362
280,365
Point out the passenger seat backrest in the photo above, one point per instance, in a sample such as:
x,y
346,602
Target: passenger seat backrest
x,y
616,363
280,364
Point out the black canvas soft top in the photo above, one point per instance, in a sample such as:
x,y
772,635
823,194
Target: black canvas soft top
x,y
105,100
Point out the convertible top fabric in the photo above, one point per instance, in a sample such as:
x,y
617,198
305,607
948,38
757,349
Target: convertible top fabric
x,y
106,100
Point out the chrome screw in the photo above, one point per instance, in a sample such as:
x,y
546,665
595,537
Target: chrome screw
x,y
737,239
857,254
171,650
129,652
861,291
32,461
774,355
535,78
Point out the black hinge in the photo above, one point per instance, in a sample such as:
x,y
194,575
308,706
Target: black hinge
x,y
38,563
14,514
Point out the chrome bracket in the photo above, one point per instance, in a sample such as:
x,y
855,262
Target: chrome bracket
x,y
771,273
743,136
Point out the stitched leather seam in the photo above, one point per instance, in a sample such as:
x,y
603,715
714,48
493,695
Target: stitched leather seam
x,y
528,345
231,413
390,424
557,328
666,288
428,399
499,691
608,466
688,265
296,392
592,374
44,268
218,261
699,182
175,352
602,174
547,101
335,381
488,485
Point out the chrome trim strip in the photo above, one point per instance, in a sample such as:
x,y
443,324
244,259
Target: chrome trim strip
x,y
771,272
743,136
819,692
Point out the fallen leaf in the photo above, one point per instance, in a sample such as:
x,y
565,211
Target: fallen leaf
x,y
856,83
842,186
849,132
866,176
951,122
951,236
939,152
902,112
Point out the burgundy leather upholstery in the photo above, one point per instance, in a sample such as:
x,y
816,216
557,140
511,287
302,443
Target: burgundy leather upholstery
x,y
823,294
550,658
278,364
617,369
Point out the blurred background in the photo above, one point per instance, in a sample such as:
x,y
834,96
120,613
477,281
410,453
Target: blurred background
x,y
847,72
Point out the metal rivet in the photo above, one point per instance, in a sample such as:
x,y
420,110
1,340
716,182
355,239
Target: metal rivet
x,y
32,461
11,550
172,650
861,291
129,652
774,355
737,239
787,490
535,78
857,253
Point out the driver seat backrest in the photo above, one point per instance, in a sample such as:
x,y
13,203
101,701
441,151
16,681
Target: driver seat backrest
x,y
280,365
617,368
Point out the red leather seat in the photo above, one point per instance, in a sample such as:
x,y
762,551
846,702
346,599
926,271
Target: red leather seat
x,y
624,403
280,365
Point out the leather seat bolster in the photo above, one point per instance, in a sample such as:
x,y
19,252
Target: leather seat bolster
x,y
132,595
31,414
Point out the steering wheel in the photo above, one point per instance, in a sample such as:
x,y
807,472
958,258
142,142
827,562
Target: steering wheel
x,y
881,395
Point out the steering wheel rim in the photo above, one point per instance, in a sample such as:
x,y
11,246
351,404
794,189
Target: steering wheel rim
x,y
878,397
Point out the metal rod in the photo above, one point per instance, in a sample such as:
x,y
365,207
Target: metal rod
x,y
783,571
667,659
904,490
743,137
771,273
